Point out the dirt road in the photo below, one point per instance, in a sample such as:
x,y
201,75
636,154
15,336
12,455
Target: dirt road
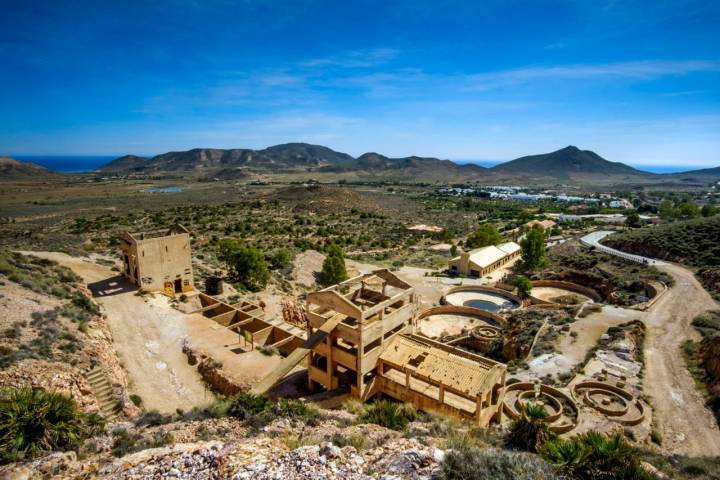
x,y
687,426
147,334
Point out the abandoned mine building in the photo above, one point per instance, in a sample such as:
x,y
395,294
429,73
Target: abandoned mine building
x,y
485,260
365,343
364,312
159,260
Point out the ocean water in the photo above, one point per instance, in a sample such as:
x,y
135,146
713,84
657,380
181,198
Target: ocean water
x,y
68,164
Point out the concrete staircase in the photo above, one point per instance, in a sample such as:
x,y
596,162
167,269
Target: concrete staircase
x,y
101,387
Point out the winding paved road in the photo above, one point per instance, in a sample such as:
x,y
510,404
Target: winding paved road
x,y
593,240
687,425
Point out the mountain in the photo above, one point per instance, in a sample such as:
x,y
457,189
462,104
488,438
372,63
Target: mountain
x,y
289,156
299,154
11,170
568,163
702,175
124,163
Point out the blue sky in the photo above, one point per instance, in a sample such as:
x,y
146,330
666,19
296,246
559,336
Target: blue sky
x,y
637,82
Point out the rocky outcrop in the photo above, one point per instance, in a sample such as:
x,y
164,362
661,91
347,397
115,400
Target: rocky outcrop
x,y
710,278
710,361
284,449
642,248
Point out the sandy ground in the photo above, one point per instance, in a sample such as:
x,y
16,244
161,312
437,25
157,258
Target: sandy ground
x,y
589,330
550,293
687,425
305,265
240,362
436,325
147,336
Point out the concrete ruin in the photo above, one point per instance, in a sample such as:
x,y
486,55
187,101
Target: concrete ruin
x,y
368,311
437,377
159,260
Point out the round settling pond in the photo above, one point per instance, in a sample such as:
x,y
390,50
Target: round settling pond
x,y
487,301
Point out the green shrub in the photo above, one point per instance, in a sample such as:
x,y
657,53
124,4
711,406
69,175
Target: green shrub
x,y
258,410
125,442
593,455
153,418
472,463
33,421
356,440
708,323
395,416
298,409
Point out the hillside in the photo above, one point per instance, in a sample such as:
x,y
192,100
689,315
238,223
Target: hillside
x,y
12,170
124,163
568,163
291,156
704,175
294,157
691,242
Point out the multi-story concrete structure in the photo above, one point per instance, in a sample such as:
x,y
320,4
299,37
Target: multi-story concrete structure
x,y
485,260
365,313
361,342
437,377
158,260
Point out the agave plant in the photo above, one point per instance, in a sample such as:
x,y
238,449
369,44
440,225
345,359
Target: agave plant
x,y
33,421
530,430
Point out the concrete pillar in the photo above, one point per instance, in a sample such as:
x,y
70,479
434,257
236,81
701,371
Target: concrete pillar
x,y
329,367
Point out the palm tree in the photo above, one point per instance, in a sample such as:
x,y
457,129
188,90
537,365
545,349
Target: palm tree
x,y
530,430
570,456
33,421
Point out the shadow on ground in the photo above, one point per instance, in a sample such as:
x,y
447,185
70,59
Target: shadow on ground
x,y
111,286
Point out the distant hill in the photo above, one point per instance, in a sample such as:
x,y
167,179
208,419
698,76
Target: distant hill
x,y
13,170
289,157
702,175
304,154
124,163
569,163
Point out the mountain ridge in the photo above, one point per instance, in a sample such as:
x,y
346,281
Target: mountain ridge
x,y
568,164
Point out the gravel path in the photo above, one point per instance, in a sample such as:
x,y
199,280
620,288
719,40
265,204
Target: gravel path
x,y
679,410
147,336
687,425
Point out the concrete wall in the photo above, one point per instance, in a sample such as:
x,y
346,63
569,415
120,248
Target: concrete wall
x,y
458,310
155,264
572,287
479,288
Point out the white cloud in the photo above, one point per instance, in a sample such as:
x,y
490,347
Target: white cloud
x,y
354,59
638,70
